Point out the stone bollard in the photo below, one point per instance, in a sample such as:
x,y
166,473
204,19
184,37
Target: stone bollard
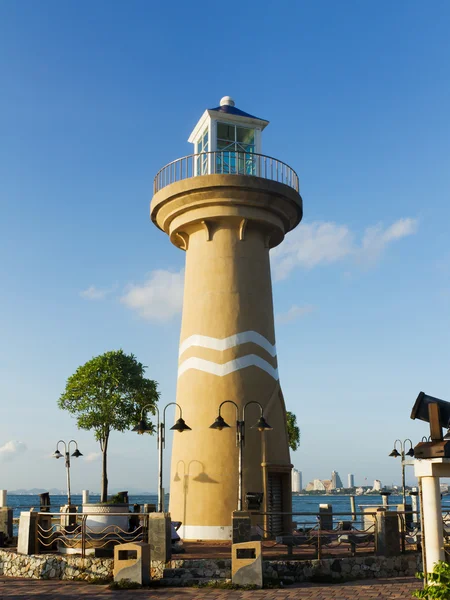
x,y
132,563
27,542
385,498
246,564
85,496
160,536
241,526
326,516
387,533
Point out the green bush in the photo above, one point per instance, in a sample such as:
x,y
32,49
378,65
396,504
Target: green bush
x,y
438,583
124,584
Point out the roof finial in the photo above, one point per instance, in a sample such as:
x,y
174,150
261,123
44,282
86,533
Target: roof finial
x,y
227,101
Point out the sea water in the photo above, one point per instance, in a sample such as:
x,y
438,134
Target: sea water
x,y
302,504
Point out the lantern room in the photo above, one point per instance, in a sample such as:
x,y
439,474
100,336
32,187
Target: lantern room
x,y
226,140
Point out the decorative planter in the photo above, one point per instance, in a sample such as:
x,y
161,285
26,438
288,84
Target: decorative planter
x,y
103,518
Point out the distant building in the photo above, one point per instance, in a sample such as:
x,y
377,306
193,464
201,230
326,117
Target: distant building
x,y
328,485
359,491
317,485
351,480
336,481
296,481
377,487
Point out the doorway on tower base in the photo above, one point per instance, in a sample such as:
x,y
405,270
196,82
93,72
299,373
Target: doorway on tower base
x,y
278,499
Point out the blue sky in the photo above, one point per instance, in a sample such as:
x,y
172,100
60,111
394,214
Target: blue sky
x,y
96,97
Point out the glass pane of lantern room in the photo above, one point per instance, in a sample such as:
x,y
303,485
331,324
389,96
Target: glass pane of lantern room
x,y
226,145
245,135
226,132
246,144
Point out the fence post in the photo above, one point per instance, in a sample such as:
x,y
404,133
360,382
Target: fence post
x,y
326,513
83,536
387,533
353,507
319,533
414,505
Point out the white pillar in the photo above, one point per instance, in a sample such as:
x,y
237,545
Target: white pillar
x,y
432,522
3,498
85,494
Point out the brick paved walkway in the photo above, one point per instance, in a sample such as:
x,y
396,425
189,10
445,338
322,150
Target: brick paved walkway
x,y
28,589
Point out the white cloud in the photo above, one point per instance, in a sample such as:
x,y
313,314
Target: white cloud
x,y
310,245
159,298
92,456
95,293
376,238
11,449
294,313
321,243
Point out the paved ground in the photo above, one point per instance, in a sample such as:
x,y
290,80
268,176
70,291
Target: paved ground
x,y
27,589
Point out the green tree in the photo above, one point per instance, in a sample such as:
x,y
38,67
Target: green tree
x,y
437,584
293,431
107,394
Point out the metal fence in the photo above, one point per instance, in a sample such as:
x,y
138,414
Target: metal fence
x,y
62,531
316,535
226,163
312,534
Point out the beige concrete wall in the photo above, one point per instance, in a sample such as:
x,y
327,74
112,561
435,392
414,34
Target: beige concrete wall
x,y
228,292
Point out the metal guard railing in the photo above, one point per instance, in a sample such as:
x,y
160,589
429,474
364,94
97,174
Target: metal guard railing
x,y
79,535
321,533
342,531
226,162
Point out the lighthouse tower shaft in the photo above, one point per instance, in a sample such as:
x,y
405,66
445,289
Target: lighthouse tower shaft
x,y
227,223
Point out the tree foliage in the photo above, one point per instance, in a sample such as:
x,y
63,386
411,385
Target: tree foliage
x,y
438,583
293,431
107,394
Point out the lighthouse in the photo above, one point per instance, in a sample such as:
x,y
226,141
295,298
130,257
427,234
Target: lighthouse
x,y
226,205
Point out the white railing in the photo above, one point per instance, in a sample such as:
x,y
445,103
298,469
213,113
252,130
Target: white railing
x,y
226,163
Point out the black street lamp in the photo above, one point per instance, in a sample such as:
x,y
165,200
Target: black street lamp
x,y
395,453
261,425
143,427
76,454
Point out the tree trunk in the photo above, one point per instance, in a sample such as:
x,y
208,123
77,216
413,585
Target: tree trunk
x,y
104,447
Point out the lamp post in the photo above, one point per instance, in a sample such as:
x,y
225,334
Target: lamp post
x,y
261,425
76,454
395,453
143,427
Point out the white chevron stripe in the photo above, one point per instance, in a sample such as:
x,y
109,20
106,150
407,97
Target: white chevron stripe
x,y
251,360
212,343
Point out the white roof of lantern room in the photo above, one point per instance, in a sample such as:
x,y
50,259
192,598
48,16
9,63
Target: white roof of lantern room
x,y
226,112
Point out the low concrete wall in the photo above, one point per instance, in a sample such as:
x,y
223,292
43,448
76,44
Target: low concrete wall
x,y
53,566
342,569
180,572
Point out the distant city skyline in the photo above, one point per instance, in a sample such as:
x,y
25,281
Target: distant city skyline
x,y
335,482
